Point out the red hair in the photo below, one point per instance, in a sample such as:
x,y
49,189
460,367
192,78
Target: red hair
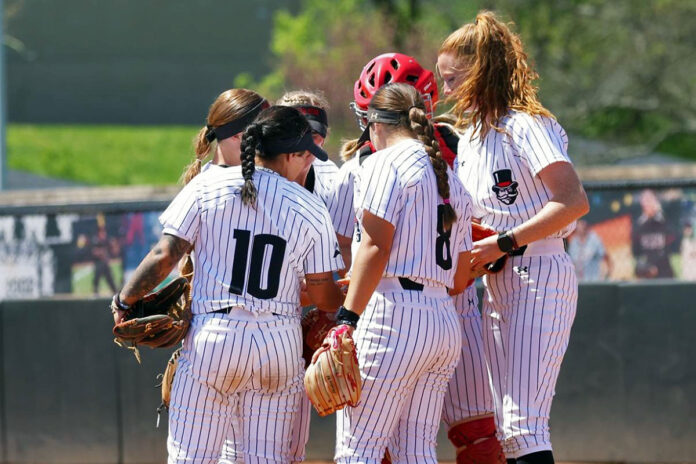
x,y
499,78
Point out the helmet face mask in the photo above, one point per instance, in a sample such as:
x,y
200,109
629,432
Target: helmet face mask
x,y
386,69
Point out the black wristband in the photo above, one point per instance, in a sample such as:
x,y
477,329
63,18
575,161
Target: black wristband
x,y
347,317
119,304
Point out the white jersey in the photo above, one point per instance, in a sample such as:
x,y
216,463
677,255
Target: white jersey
x,y
251,257
501,171
320,179
340,201
398,184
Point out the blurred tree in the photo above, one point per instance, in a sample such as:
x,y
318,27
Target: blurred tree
x,y
623,71
618,70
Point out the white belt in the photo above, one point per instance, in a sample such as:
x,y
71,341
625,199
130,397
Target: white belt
x,y
393,284
545,246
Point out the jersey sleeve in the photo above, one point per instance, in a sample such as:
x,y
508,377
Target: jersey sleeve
x,y
324,254
464,213
182,216
340,201
539,142
381,190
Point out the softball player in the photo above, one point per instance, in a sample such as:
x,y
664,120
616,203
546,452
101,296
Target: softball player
x,y
319,176
255,235
414,236
468,404
231,112
513,160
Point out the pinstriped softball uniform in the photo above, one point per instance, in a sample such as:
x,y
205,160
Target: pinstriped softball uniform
x,y
249,369
398,184
408,343
340,202
292,235
469,391
250,258
324,172
408,346
500,173
530,305
525,343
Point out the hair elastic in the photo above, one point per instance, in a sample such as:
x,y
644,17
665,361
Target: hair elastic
x,y
446,201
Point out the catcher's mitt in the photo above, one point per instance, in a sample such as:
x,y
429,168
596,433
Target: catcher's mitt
x,y
159,320
333,379
167,381
479,232
315,326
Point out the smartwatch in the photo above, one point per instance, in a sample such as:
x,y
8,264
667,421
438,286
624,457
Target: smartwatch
x,y
506,242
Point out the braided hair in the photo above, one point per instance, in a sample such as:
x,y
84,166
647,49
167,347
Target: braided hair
x,y
405,98
272,124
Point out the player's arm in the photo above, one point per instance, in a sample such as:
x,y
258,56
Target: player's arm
x,y
323,292
344,245
568,202
370,261
462,274
154,268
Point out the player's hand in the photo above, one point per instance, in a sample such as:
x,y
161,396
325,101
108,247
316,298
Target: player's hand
x,y
485,251
343,284
119,314
305,300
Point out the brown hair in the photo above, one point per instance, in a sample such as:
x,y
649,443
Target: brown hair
x,y
228,106
406,99
499,78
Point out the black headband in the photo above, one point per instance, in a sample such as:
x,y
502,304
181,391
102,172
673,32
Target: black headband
x,y
316,117
383,116
294,145
232,128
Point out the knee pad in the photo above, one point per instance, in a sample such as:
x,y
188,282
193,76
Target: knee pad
x,y
475,441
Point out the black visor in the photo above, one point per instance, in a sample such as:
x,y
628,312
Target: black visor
x,y
316,117
375,115
294,145
233,128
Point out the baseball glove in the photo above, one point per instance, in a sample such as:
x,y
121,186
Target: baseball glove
x,y
159,320
167,381
479,232
315,327
333,379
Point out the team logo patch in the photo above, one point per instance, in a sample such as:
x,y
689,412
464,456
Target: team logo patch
x,y
505,188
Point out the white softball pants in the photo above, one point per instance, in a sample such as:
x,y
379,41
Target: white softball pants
x,y
528,311
469,391
236,365
408,344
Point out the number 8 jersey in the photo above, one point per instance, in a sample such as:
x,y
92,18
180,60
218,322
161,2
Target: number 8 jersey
x,y
251,258
398,184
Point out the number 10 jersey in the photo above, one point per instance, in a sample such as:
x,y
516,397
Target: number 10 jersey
x,y
251,257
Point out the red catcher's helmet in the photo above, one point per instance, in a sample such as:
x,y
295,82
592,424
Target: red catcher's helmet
x,y
392,67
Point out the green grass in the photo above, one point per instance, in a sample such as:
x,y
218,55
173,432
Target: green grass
x,y
112,155
102,155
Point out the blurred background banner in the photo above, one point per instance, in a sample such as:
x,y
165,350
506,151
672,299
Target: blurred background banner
x,y
634,231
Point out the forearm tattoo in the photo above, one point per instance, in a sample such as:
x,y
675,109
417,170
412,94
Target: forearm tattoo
x,y
155,267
